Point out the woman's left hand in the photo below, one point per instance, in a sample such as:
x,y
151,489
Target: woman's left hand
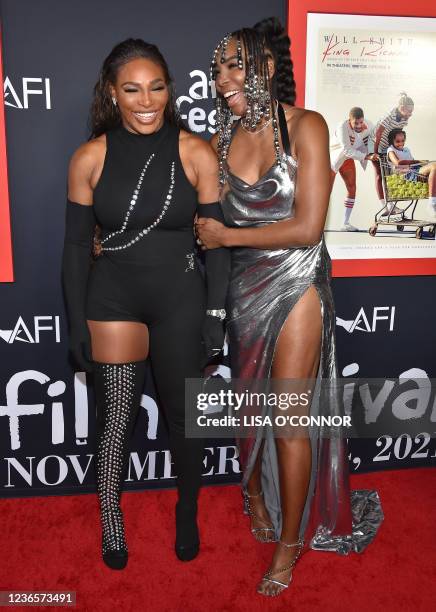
x,y
211,233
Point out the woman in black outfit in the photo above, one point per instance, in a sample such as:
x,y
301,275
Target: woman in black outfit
x,y
140,178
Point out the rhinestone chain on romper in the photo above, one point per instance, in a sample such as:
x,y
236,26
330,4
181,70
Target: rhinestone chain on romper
x,y
133,201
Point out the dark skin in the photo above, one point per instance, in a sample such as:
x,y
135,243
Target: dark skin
x,y
428,169
309,145
298,347
142,95
348,175
405,112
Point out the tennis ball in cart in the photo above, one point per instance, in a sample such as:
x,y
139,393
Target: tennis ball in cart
x,y
400,187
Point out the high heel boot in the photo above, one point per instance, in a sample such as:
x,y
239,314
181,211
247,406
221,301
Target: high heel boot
x,y
187,454
118,389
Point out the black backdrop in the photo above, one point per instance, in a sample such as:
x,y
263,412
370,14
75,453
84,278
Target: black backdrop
x,y
46,411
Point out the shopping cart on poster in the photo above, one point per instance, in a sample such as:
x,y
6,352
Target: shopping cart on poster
x,y
403,187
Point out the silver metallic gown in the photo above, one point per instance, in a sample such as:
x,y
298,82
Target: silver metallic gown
x,y
265,285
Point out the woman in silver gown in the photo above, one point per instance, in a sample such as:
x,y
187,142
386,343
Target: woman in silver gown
x,y
280,309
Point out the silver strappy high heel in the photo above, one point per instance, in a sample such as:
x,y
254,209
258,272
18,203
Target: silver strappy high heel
x,y
269,576
268,530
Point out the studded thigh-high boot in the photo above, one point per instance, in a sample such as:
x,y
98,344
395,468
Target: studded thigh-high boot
x,y
118,389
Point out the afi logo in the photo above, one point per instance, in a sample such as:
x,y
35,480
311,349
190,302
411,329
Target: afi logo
x,y
22,333
18,96
383,316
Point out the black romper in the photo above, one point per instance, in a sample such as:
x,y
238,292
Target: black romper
x,y
155,279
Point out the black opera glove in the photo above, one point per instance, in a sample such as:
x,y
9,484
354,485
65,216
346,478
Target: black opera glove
x,y
80,347
76,262
217,264
213,334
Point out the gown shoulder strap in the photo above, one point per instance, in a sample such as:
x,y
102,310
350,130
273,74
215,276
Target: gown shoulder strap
x,y
284,130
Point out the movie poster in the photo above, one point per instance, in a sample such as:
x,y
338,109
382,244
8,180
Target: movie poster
x,y
386,67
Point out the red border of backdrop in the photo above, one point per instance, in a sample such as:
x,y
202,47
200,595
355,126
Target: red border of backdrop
x,y
6,269
297,27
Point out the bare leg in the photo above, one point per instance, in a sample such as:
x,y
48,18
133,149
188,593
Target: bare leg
x,y
254,484
432,181
261,524
430,171
118,341
378,180
348,173
297,357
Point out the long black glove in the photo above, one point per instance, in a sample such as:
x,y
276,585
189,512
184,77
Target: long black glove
x,y
217,262
76,262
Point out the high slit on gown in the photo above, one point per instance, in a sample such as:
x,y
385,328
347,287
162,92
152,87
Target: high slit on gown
x,y
265,285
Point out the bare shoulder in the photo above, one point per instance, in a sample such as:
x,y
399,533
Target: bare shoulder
x,y
311,124
201,166
194,148
192,142
85,169
89,155
305,118
298,115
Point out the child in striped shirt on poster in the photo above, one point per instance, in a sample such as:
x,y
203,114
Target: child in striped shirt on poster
x,y
397,118
350,143
400,158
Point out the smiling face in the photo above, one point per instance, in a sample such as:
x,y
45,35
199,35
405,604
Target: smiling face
x,y
142,94
230,80
399,141
358,125
406,111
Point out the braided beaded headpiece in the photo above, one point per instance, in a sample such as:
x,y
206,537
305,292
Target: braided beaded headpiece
x,y
253,54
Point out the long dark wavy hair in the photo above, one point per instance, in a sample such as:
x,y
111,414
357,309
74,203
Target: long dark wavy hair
x,y
104,115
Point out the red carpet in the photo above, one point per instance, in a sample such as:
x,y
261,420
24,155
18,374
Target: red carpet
x,y
53,544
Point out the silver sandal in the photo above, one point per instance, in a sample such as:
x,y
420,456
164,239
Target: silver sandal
x,y
268,577
268,531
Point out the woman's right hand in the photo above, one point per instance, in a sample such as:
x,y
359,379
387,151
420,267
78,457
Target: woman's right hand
x,y
211,233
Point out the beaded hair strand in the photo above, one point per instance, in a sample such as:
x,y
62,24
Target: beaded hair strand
x,y
253,54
